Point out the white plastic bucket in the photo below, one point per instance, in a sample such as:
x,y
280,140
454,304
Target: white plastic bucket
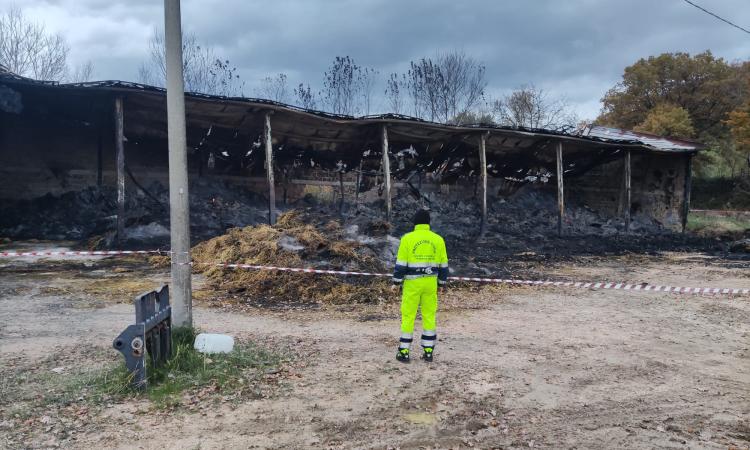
x,y
213,343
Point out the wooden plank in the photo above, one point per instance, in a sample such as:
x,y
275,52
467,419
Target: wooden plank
x,y
560,192
386,174
627,191
269,169
120,166
688,188
483,181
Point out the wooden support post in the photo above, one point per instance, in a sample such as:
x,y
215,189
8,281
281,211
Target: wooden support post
x,y
286,183
359,181
269,169
560,192
200,161
120,159
483,181
341,186
627,191
99,158
688,188
386,174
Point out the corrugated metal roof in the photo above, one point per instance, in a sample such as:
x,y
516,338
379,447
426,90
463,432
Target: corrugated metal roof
x,y
652,140
611,137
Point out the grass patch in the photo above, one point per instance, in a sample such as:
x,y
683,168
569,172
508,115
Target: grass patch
x,y
236,374
717,225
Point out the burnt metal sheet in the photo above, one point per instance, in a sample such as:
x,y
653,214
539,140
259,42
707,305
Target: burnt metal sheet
x,y
205,110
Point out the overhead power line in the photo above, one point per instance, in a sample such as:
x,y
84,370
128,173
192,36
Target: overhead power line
x,y
718,17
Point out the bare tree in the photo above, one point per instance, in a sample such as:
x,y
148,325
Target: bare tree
x,y
82,73
305,97
202,70
27,49
394,93
444,88
367,79
347,87
530,107
463,84
274,88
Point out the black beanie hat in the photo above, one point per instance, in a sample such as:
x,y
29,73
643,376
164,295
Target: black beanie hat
x,y
422,217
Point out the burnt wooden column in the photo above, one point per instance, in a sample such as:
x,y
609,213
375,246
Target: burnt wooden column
x,y
560,192
99,157
359,181
627,191
120,166
386,174
269,169
688,188
483,181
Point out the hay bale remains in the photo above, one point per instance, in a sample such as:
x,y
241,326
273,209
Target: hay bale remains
x,y
323,245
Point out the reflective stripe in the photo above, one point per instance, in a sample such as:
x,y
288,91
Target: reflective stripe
x,y
423,275
428,338
397,280
443,265
405,340
421,264
442,282
401,263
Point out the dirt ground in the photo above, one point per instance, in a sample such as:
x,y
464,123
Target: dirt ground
x,y
514,368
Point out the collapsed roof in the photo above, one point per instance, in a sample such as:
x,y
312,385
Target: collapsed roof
x,y
233,125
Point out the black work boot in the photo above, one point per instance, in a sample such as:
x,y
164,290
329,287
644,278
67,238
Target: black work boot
x,y
403,355
427,355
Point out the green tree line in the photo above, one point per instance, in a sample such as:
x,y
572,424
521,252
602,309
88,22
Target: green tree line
x,y
699,97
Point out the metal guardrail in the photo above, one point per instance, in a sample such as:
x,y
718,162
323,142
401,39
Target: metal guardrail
x,y
151,333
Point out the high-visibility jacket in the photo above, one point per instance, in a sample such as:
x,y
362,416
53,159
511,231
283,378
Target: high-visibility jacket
x,y
421,253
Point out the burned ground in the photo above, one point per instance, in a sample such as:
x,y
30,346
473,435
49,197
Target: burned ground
x,y
521,225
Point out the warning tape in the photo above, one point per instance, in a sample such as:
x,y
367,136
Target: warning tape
x,y
644,287
83,253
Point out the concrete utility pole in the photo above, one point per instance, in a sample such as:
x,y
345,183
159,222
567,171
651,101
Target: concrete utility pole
x,y
179,201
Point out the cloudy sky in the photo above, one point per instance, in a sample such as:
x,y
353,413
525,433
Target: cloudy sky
x,y
572,48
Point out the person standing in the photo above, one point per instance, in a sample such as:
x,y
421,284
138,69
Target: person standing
x,y
421,267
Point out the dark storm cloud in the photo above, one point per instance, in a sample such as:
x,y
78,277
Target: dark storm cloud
x,y
576,48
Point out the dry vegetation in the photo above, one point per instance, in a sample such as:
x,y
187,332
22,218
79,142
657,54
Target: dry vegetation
x,y
307,245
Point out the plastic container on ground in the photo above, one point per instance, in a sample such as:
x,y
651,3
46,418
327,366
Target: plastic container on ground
x,y
213,343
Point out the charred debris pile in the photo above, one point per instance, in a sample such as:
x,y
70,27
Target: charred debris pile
x,y
298,239
90,214
522,222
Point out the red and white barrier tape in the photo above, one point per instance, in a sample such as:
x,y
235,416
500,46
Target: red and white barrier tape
x,y
82,253
645,287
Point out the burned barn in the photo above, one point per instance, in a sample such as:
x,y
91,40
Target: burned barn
x,y
81,159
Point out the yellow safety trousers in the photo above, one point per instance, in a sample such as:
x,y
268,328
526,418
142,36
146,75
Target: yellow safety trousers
x,y
419,293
